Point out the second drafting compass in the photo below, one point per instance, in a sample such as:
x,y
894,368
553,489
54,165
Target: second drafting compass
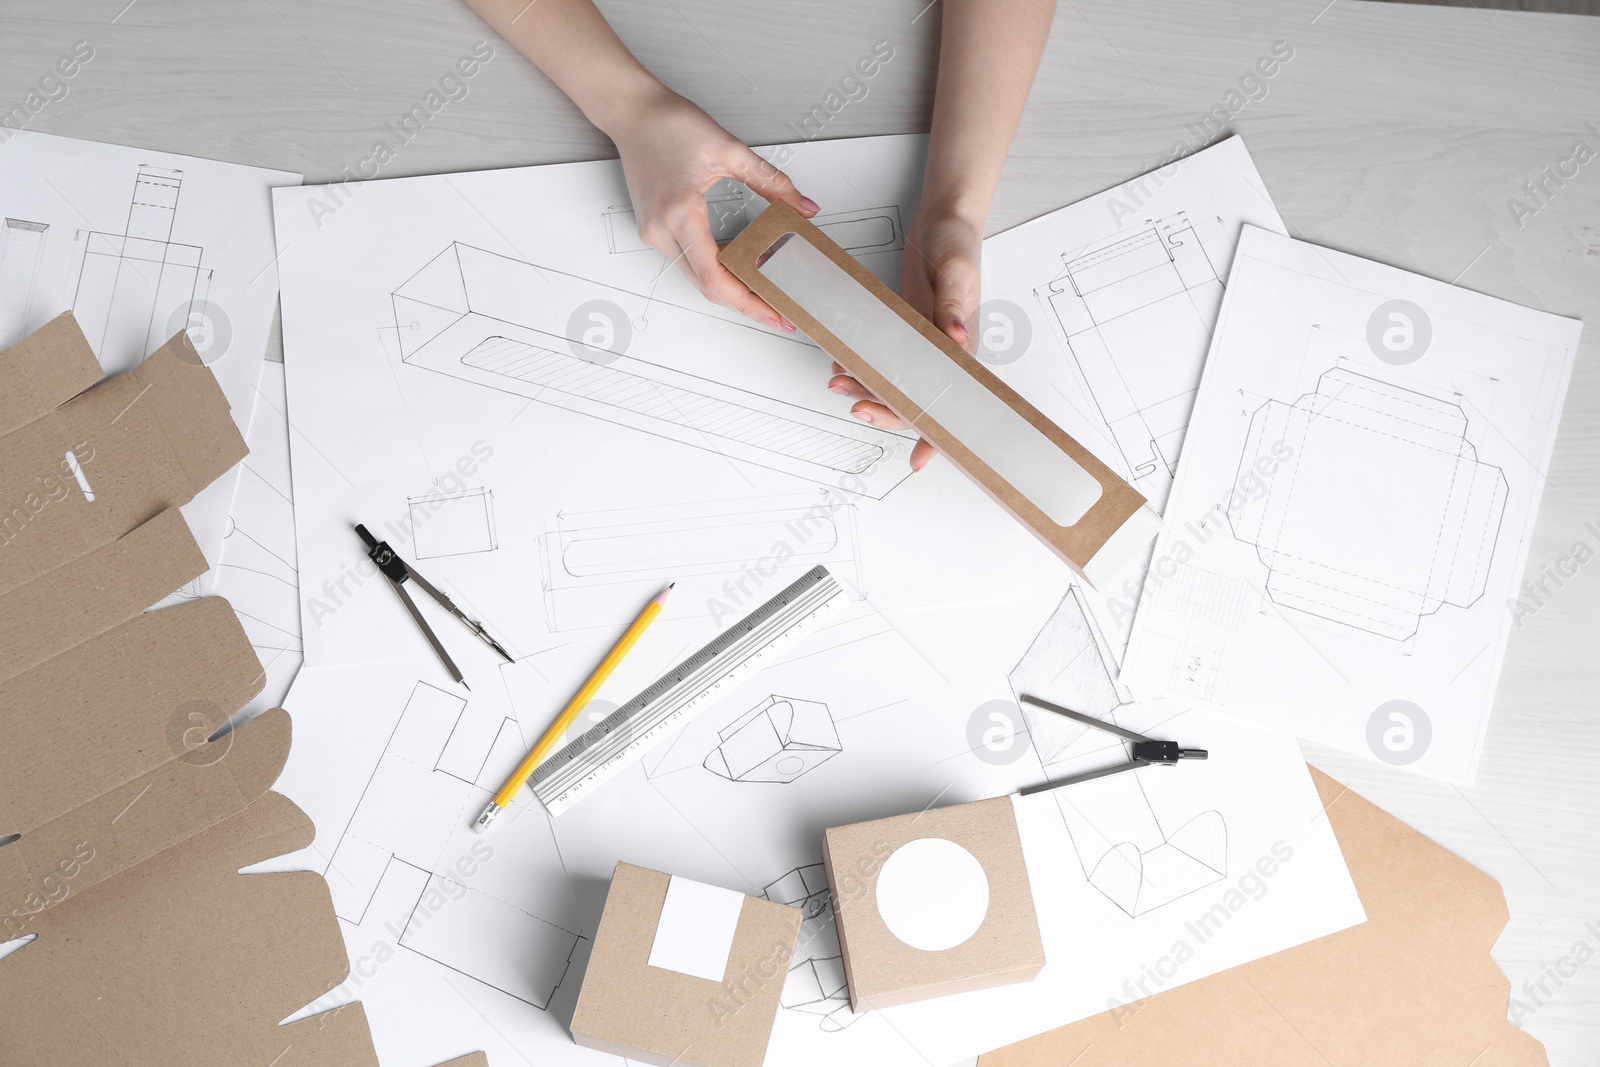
x,y
399,572
1146,752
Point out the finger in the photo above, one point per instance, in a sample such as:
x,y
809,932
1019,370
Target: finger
x,y
769,182
716,282
921,452
874,413
845,385
955,298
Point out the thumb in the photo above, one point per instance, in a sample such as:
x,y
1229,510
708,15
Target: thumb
x,y
955,297
770,183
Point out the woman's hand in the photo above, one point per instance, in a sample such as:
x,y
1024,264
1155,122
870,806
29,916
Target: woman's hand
x,y
939,279
672,153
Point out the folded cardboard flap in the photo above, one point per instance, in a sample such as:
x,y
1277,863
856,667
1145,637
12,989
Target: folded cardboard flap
x,y
138,819
44,370
118,706
230,955
1414,984
89,595
1090,517
107,460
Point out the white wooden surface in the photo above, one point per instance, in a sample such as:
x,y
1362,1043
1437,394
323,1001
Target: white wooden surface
x,y
1396,132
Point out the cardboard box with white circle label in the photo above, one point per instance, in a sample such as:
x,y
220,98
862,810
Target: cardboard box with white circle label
x,y
684,973
932,903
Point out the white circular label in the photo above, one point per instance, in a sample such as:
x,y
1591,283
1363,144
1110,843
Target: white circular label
x,y
932,894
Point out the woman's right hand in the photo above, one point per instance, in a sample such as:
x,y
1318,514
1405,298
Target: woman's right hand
x,y
672,153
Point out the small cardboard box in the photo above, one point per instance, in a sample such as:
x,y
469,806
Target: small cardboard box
x,y
1093,520
932,903
684,973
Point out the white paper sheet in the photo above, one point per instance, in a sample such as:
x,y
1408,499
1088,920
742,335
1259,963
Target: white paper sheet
x,y
1348,532
464,941
1101,313
140,245
443,380
452,384
257,572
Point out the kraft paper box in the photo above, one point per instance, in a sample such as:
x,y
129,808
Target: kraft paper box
x,y
684,973
1093,520
932,903
124,815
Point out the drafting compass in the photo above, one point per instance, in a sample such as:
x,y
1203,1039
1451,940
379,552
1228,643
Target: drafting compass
x,y
399,572
1146,752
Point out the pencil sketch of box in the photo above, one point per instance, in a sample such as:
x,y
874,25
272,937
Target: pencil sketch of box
x,y
637,361
1376,510
778,740
1121,839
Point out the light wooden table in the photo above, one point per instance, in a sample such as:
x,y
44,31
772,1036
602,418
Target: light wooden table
x,y
1397,132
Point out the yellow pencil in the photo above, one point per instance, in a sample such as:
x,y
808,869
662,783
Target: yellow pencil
x,y
574,708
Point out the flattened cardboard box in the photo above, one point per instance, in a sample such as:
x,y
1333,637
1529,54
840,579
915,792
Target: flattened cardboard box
x,y
648,1013
122,826
83,464
1096,522
932,903
1414,985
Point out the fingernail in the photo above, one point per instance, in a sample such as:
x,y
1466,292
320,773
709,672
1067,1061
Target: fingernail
x,y
810,205
862,415
841,390
787,325
773,322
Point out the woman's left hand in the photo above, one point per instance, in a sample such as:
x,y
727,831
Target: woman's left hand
x,y
939,279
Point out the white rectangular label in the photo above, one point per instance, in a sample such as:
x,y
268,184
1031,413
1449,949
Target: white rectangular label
x,y
694,935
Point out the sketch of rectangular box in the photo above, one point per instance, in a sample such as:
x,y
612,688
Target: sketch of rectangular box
x,y
519,328
864,231
133,286
725,208
1122,843
21,254
1405,518
598,566
860,232
489,940
1124,306
452,524
776,741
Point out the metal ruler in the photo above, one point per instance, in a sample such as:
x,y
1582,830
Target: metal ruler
x,y
756,641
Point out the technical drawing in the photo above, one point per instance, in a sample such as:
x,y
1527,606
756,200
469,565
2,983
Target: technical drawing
x,y
776,741
1126,307
816,982
597,566
518,328
725,206
1204,595
1395,516
132,284
864,231
453,524
1064,665
1122,844
861,232
21,253
397,845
